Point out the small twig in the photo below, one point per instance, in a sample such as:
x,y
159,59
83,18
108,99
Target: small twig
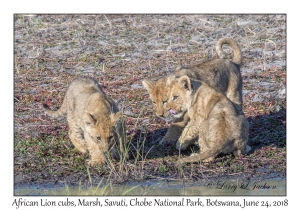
x,y
158,51
251,31
150,65
235,174
51,141
193,41
66,146
205,21
110,25
200,33
103,68
272,43
202,172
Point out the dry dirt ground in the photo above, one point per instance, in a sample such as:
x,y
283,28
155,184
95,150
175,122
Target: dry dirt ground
x,y
122,50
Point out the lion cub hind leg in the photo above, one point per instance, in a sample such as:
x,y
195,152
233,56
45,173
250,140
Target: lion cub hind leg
x,y
211,139
242,129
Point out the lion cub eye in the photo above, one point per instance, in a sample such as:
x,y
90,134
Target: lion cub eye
x,y
153,102
175,98
98,138
164,102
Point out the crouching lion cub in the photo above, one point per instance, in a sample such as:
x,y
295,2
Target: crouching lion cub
x,y
222,74
214,121
93,118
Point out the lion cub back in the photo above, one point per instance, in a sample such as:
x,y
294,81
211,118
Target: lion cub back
x,y
76,97
79,96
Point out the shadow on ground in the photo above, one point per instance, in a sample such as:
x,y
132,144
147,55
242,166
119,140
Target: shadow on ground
x,y
264,131
268,130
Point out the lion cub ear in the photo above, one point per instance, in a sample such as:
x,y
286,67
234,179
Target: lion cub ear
x,y
114,117
89,119
148,85
185,82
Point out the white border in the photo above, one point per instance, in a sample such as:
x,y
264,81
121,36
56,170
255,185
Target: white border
x,y
153,6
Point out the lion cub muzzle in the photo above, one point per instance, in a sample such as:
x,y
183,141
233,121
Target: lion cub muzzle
x,y
106,143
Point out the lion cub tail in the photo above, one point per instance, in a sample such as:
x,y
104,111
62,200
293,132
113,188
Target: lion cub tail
x,y
237,55
55,114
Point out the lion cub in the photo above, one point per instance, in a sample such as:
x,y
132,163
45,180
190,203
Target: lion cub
x,y
94,120
222,74
214,120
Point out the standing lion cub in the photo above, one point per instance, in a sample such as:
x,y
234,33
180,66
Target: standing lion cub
x,y
214,120
94,120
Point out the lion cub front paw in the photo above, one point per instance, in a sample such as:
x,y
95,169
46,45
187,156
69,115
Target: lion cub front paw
x,y
83,150
95,163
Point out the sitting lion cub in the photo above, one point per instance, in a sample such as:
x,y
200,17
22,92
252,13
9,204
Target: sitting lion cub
x,y
222,74
214,121
94,120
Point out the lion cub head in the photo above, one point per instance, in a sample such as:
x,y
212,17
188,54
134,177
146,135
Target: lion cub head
x,y
179,95
99,121
158,94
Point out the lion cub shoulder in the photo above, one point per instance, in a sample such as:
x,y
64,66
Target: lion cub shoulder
x,y
94,119
214,120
